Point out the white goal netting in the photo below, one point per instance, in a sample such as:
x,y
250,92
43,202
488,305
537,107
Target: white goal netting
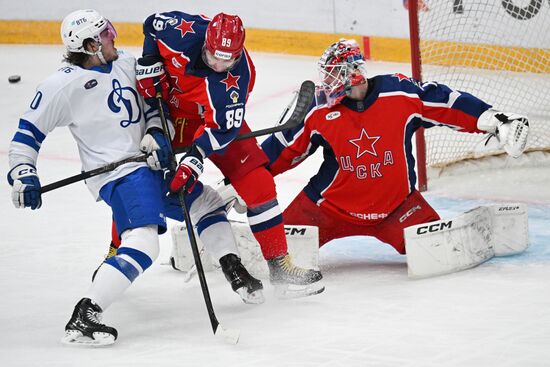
x,y
496,50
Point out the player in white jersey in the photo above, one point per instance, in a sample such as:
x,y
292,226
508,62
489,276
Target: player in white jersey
x,y
95,97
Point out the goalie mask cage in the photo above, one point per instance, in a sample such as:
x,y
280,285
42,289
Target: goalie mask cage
x,y
497,50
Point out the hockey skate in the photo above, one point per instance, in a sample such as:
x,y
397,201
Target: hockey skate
x,y
244,284
85,327
291,281
110,253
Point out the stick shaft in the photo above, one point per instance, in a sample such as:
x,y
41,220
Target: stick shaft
x,y
190,232
87,174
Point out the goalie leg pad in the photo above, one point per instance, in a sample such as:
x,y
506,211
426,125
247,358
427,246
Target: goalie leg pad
x,y
511,233
212,229
181,257
303,246
448,246
218,239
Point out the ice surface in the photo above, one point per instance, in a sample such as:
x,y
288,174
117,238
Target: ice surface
x,y
371,314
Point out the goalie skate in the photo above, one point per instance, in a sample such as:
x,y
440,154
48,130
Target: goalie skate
x,y
291,281
242,283
85,327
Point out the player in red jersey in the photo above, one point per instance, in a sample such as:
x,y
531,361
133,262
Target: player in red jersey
x,y
209,75
366,183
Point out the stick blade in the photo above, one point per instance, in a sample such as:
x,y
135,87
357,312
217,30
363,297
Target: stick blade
x,y
305,99
228,335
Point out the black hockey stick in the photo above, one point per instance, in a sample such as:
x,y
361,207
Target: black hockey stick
x,y
87,174
304,99
229,335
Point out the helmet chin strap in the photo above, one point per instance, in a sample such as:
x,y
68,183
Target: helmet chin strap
x,y
98,53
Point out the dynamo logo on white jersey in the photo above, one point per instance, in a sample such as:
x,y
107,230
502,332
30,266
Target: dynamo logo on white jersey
x,y
125,97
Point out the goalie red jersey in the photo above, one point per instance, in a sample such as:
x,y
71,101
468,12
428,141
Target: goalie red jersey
x,y
369,167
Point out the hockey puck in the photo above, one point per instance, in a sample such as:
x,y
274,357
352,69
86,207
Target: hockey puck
x,y
14,78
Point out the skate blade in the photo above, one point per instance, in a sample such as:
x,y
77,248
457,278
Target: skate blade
x,y
254,298
290,291
74,337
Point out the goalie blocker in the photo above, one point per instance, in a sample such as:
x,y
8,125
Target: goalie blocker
x,y
303,247
448,246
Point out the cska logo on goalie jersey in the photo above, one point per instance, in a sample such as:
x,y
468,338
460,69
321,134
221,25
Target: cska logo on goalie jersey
x,y
365,143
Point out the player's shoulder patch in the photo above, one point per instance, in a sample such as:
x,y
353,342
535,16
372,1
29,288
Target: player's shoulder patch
x,y
171,22
164,21
332,115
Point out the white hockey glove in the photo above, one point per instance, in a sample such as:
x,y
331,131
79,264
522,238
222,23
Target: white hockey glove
x,y
155,144
25,187
511,130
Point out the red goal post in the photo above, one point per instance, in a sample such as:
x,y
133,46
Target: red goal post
x,y
496,50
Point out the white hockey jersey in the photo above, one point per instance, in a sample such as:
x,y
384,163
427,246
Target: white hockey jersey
x,y
101,108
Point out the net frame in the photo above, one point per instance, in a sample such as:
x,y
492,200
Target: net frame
x,y
498,51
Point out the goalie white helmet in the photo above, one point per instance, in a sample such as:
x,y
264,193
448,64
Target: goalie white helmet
x,y
81,25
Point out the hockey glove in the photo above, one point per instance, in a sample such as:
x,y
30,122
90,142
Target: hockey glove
x,y
151,78
188,172
25,186
156,144
511,130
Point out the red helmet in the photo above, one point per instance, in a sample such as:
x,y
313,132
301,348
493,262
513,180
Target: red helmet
x,y
225,36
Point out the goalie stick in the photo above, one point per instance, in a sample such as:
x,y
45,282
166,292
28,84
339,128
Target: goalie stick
x,y
303,101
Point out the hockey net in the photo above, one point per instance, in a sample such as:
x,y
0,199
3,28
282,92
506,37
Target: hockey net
x,y
498,51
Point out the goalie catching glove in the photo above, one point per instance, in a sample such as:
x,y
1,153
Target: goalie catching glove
x,y
511,130
188,172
